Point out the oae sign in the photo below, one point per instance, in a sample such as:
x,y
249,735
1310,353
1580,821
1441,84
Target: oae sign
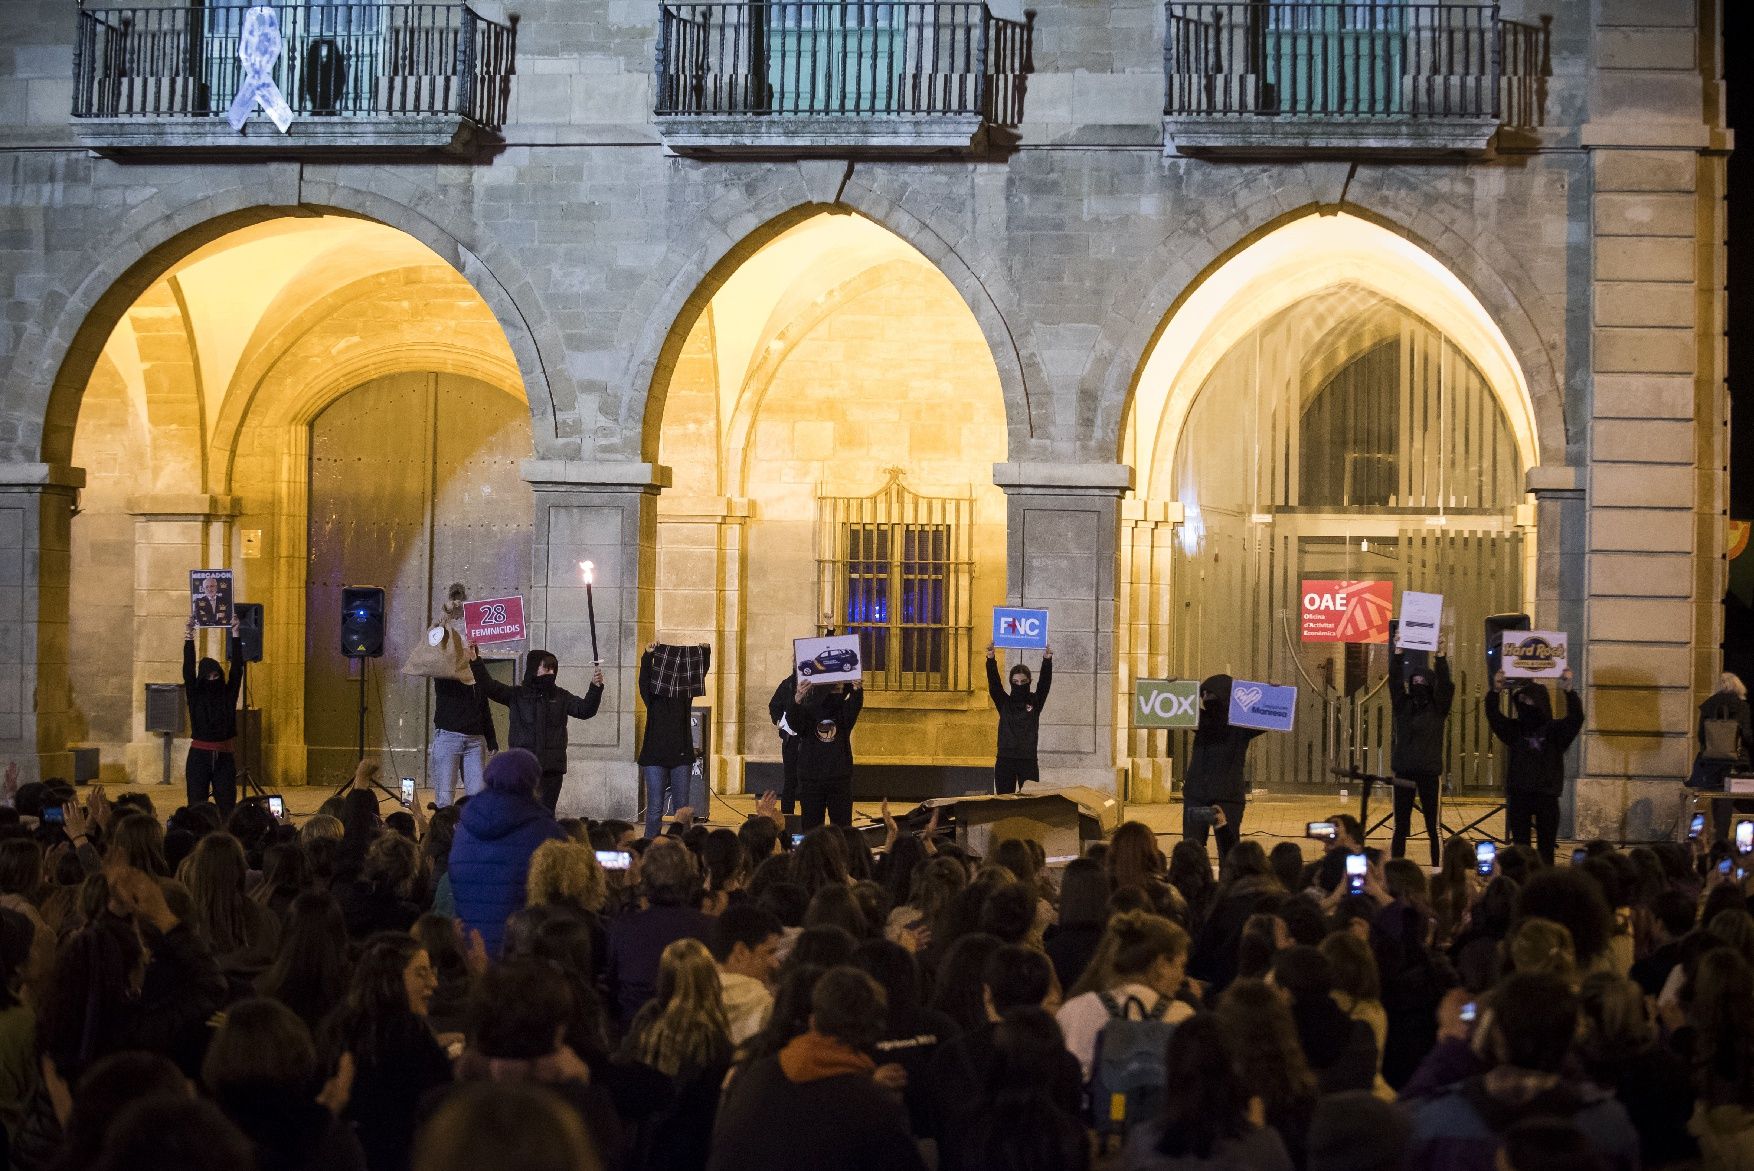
x,y
1166,703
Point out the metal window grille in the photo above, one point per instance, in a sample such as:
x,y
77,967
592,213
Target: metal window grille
x,y
896,568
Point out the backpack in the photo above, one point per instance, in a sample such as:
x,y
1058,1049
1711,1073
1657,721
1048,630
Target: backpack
x,y
1128,1080
1720,739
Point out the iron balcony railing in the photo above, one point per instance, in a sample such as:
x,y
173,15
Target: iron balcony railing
x,y
1368,59
340,59
818,58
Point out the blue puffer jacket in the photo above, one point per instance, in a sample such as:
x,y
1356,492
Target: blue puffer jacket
x,y
490,858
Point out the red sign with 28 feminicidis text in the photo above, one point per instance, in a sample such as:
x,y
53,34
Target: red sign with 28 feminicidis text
x,y
494,620
1347,611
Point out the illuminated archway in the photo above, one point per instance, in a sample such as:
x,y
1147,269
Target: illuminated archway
x,y
836,369
195,433
1331,402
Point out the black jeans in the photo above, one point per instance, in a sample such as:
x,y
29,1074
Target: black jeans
x,y
788,775
1524,811
1426,791
1009,773
1227,834
548,788
832,796
207,772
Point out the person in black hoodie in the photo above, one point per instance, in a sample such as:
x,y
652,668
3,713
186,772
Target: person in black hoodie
x,y
1534,774
776,711
1019,720
825,719
1420,699
1215,769
666,751
539,709
213,721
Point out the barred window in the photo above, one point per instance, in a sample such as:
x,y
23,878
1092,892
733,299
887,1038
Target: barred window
x,y
895,568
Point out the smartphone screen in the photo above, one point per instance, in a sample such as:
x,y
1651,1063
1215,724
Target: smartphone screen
x,y
797,840
1485,856
54,815
1745,836
408,792
1696,826
277,806
1356,865
1578,855
1724,867
1321,831
1470,1013
614,859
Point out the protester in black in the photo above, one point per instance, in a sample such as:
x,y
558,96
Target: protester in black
x,y
213,722
1019,720
1534,774
462,738
1420,698
539,709
776,711
1215,769
666,751
825,719
1728,704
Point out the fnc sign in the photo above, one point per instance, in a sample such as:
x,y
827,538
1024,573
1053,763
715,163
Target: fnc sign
x,y
1166,703
1020,629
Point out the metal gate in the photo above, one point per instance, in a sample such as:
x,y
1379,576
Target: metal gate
x,y
414,484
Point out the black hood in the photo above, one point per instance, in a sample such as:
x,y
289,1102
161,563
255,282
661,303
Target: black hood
x,y
532,660
206,666
1215,702
1532,705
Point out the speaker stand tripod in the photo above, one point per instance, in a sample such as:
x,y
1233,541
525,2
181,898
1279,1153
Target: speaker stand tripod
x,y
248,788
364,663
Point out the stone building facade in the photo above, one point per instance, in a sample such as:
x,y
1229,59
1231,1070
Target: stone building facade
x,y
183,304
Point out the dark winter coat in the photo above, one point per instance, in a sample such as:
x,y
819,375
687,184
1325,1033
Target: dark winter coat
x,y
668,740
462,708
1215,767
1420,712
1536,742
819,760
213,703
490,858
1019,711
847,1122
539,709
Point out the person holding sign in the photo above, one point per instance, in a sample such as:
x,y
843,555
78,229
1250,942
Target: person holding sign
x,y
462,727
539,709
1215,792
1534,773
824,715
1420,699
666,751
211,767
1019,720
789,739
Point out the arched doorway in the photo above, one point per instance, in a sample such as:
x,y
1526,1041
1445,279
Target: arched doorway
x,y
831,422
1331,405
209,419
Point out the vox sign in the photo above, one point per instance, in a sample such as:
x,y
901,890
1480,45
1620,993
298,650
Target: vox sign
x,y
1166,703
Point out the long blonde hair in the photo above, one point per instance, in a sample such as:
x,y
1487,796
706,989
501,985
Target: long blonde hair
x,y
568,874
684,1030
1728,684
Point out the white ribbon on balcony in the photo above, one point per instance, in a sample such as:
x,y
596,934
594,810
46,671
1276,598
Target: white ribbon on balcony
x,y
259,48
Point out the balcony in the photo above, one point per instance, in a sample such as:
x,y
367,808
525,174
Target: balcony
x,y
798,78
1285,77
375,79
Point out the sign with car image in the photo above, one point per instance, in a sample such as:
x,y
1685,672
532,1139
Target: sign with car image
x,y
832,659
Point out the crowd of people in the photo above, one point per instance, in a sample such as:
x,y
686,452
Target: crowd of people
x,y
498,987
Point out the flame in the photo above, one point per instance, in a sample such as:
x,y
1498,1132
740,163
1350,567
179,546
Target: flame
x,y
587,571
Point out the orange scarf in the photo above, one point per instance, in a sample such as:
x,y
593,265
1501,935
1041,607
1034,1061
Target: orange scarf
x,y
813,1056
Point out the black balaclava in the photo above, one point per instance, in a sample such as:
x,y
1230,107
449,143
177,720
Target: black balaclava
x,y
532,661
1533,709
1419,689
1215,703
209,675
1020,691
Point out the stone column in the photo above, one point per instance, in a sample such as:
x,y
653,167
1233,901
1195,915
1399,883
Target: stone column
x,y
1061,543
36,716
1656,415
605,513
1144,623
173,533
